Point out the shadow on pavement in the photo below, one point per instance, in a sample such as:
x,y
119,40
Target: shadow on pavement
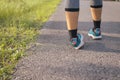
x,y
110,43
84,71
107,27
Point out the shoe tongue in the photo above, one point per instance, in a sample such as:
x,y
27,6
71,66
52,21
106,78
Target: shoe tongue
x,y
97,31
74,39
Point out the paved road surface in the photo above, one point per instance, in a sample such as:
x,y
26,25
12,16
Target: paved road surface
x,y
54,59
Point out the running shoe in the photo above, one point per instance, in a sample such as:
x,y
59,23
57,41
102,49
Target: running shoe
x,y
77,42
95,34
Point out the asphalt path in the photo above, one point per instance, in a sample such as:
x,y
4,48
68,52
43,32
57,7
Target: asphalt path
x,y
53,58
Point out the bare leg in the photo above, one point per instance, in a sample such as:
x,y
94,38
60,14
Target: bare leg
x,y
72,14
96,13
72,20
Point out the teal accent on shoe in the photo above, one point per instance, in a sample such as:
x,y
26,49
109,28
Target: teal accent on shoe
x,y
74,42
77,42
96,34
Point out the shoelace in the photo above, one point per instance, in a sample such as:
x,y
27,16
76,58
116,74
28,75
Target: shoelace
x,y
97,31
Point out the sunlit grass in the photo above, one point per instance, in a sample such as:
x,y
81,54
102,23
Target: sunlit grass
x,y
20,21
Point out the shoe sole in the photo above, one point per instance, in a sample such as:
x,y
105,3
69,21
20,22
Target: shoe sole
x,y
82,43
94,37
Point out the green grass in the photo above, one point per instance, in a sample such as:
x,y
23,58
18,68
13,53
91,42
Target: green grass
x,y
20,21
